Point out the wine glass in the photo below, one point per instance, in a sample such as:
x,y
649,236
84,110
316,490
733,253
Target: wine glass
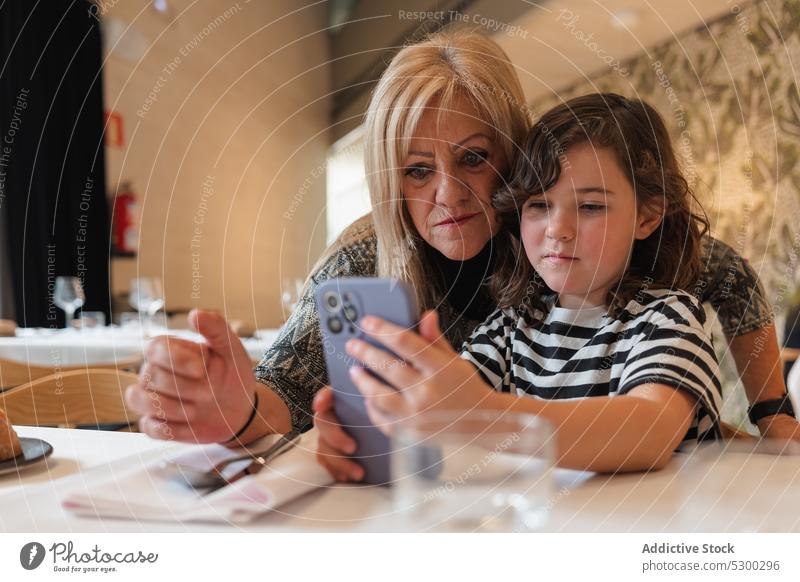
x,y
147,296
68,296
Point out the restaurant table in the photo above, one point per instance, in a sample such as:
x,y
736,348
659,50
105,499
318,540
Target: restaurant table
x,y
96,346
697,492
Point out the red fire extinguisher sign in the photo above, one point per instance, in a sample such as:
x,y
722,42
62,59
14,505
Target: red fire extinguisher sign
x,y
123,222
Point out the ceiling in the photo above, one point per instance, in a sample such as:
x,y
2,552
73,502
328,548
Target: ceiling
x,y
569,40
554,43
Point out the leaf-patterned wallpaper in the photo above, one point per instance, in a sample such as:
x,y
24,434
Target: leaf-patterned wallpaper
x,y
729,95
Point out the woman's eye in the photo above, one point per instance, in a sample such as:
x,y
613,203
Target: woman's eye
x,y
417,172
593,207
474,158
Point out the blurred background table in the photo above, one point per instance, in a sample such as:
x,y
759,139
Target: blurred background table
x,y
97,346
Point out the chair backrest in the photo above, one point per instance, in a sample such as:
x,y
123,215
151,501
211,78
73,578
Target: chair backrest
x,y
13,373
89,397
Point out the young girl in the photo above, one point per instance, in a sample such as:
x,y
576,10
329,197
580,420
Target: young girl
x,y
594,331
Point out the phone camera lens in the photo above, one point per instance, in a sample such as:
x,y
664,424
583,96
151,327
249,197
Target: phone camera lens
x,y
331,301
335,325
350,313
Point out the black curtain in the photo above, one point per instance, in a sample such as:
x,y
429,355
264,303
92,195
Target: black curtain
x,y
52,163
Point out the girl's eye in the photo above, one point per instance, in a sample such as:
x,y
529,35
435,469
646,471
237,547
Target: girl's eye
x,y
593,207
474,158
417,172
536,205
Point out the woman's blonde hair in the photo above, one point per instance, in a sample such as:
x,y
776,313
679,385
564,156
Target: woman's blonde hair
x,y
452,63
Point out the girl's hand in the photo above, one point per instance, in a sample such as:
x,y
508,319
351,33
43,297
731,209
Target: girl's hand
x,y
334,445
427,375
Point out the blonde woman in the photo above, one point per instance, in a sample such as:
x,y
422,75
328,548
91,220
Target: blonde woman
x,y
442,130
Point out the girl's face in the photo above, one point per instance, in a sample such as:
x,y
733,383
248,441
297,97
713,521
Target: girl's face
x,y
452,169
579,234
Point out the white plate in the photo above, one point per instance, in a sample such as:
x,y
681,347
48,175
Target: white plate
x,y
34,451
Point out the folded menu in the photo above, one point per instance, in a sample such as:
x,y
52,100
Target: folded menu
x,y
152,491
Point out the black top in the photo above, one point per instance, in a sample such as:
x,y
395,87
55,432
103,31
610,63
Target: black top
x,y
463,284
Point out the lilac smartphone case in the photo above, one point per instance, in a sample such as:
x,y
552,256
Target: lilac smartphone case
x,y
341,304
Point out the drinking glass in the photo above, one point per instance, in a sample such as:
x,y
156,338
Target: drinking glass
x,y
159,320
91,319
472,471
68,296
129,320
147,296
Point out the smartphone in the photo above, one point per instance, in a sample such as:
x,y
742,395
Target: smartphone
x,y
341,304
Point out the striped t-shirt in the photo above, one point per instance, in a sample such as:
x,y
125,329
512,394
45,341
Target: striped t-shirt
x,y
660,337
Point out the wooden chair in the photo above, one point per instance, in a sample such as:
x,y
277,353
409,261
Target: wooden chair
x,y
14,373
129,364
89,398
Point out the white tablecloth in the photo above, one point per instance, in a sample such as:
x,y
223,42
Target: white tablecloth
x,y
97,346
721,493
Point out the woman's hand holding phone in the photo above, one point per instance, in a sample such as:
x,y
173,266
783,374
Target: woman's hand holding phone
x,y
429,375
334,445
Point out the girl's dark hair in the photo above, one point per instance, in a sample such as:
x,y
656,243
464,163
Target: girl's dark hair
x,y
635,133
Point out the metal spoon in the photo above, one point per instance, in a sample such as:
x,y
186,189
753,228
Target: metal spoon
x,y
216,477
254,467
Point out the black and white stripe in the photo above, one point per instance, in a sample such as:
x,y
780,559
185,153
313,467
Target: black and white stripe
x,y
660,337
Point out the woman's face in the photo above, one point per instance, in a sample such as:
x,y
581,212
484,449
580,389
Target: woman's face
x,y
452,168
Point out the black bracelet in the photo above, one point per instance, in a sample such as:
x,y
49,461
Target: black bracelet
x,y
766,408
246,424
